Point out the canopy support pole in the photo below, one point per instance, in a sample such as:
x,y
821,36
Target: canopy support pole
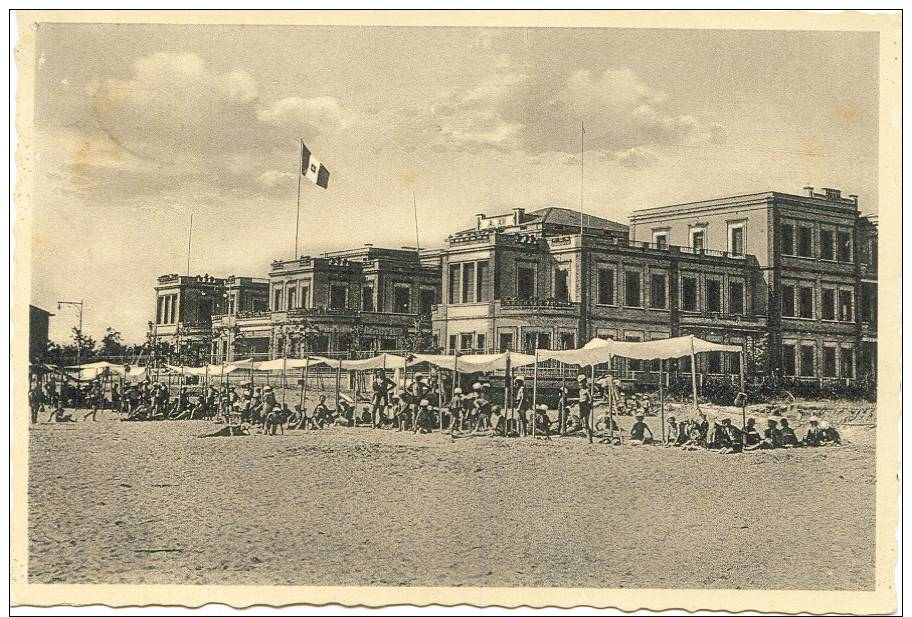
x,y
613,395
284,377
743,389
338,386
306,374
662,396
534,390
563,405
693,375
439,386
592,412
508,392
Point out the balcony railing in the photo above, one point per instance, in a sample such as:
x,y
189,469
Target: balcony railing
x,y
537,303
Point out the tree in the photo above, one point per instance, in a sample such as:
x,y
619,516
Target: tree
x,y
112,343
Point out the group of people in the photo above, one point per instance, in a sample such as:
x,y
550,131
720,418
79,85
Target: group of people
x,y
463,414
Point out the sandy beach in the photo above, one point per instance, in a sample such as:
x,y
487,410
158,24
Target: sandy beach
x,y
118,502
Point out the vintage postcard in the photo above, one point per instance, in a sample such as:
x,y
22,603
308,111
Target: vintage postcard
x,y
492,308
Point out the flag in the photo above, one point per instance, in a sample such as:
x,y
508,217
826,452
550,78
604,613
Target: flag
x,y
312,169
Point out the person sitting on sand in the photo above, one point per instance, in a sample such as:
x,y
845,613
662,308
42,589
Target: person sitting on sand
x,y
482,412
58,414
725,438
749,434
672,432
772,438
813,434
321,413
638,431
498,422
542,422
829,435
787,435
423,417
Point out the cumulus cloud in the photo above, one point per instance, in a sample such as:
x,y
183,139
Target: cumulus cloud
x,y
176,119
513,109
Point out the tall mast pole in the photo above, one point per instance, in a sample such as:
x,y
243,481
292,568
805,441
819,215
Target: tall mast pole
x,y
189,242
298,211
415,208
582,165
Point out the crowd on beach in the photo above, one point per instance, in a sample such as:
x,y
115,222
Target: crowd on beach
x,y
421,407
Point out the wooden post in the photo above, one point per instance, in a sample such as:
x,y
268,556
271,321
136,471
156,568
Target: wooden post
x,y
456,385
592,411
693,374
743,389
611,406
534,390
563,410
440,398
508,391
284,377
304,389
662,396
338,385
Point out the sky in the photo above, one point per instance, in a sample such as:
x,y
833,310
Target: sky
x,y
138,126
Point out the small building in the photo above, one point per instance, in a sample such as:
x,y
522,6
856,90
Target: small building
x,y
39,322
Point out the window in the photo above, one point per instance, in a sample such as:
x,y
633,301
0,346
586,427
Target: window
x,y
845,305
788,300
805,242
453,284
465,342
367,299
829,361
338,297
689,294
160,309
788,360
481,342
305,296
402,299
698,239
787,234
844,240
828,304
660,239
807,360
561,285
320,343
736,240
734,362
468,282
827,250
567,340
714,362
605,286
847,362
525,282
868,309
481,281
452,346
277,300
427,298
292,298
713,297
657,291
736,298
506,341
536,340
632,289
806,303
389,343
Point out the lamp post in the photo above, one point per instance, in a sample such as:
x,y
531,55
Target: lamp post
x,y
79,339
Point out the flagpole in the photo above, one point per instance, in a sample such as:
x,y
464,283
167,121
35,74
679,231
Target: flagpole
x,y
189,242
582,164
298,212
415,208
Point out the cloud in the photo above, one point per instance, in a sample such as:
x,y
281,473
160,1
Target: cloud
x,y
625,118
307,116
176,120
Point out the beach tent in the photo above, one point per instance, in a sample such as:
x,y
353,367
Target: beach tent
x,y
476,363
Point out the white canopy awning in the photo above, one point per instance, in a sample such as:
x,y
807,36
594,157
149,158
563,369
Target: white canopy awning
x,y
599,351
476,363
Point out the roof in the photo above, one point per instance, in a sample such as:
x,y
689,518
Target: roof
x,y
565,216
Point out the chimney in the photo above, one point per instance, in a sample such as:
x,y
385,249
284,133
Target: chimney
x,y
518,215
478,219
854,199
810,190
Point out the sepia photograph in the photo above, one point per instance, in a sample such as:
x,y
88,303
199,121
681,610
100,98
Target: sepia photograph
x,y
498,309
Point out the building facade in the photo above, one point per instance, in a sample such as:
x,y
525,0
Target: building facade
x,y
534,281
367,299
816,256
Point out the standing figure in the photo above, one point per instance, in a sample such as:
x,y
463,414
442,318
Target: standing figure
x,y
585,404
